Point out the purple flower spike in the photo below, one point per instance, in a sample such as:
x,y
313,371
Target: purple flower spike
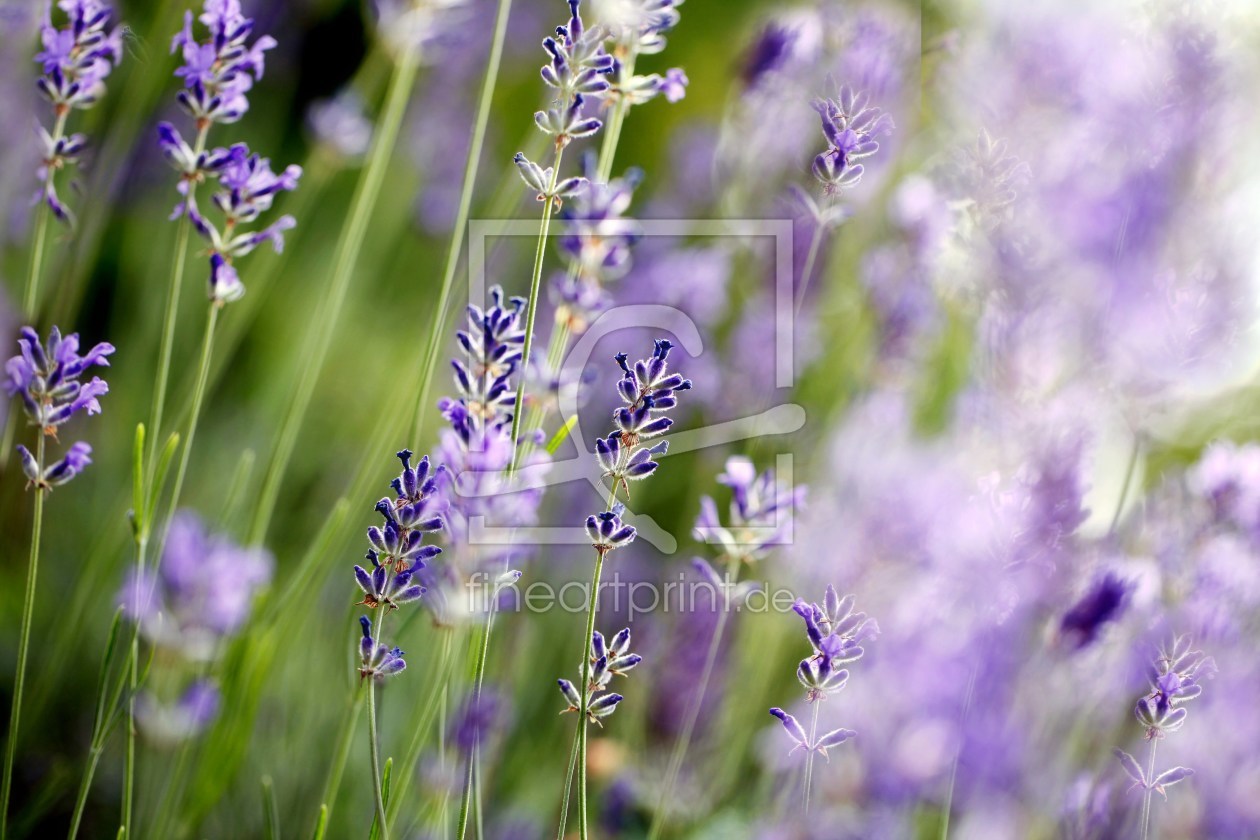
x,y
850,127
219,72
377,660
1102,604
76,61
608,659
607,531
45,377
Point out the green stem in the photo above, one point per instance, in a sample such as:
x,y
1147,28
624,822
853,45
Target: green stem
x,y
568,786
342,755
319,335
532,307
693,711
1146,794
199,394
171,316
584,693
85,786
374,739
431,705
455,248
24,642
37,262
472,777
807,271
809,758
953,770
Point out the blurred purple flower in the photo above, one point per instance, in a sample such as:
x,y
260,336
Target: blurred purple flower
x,y
202,592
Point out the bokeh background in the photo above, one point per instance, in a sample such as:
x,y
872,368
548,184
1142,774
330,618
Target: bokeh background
x,y
1018,361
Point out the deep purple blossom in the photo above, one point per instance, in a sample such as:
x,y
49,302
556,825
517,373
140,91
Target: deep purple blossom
x,y
45,377
607,531
1102,603
607,658
492,347
377,660
202,593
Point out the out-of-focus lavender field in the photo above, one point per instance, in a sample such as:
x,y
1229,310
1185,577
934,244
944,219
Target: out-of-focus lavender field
x,y
629,419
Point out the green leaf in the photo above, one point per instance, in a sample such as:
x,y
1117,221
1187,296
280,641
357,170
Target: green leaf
x,y
560,435
138,521
110,643
385,778
271,813
322,824
159,477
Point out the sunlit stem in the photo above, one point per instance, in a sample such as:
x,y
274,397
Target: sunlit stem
x,y
532,306
374,739
1146,794
472,777
455,248
317,340
809,756
24,643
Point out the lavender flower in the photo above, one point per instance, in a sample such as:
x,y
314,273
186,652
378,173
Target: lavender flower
x,y
1227,477
850,127
1175,679
492,346
608,659
821,744
377,660
202,593
191,714
398,551
340,126
760,515
46,379
607,531
217,74
76,61
598,237
1101,604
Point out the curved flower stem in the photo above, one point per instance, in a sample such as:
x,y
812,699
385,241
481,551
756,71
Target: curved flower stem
x,y
584,693
693,711
809,758
318,336
1146,794
532,307
568,786
374,739
455,248
1127,485
24,643
472,778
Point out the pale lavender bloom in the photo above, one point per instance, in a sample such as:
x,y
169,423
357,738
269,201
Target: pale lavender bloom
x,y
191,714
339,124
760,515
1227,477
218,74
202,593
76,61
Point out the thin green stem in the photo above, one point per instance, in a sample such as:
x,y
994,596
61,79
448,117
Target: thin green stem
x,y
683,742
584,693
171,316
319,335
809,758
31,293
953,770
471,778
374,739
1146,794
455,248
342,754
568,786
24,643
199,395
532,307
85,787
431,705
807,271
